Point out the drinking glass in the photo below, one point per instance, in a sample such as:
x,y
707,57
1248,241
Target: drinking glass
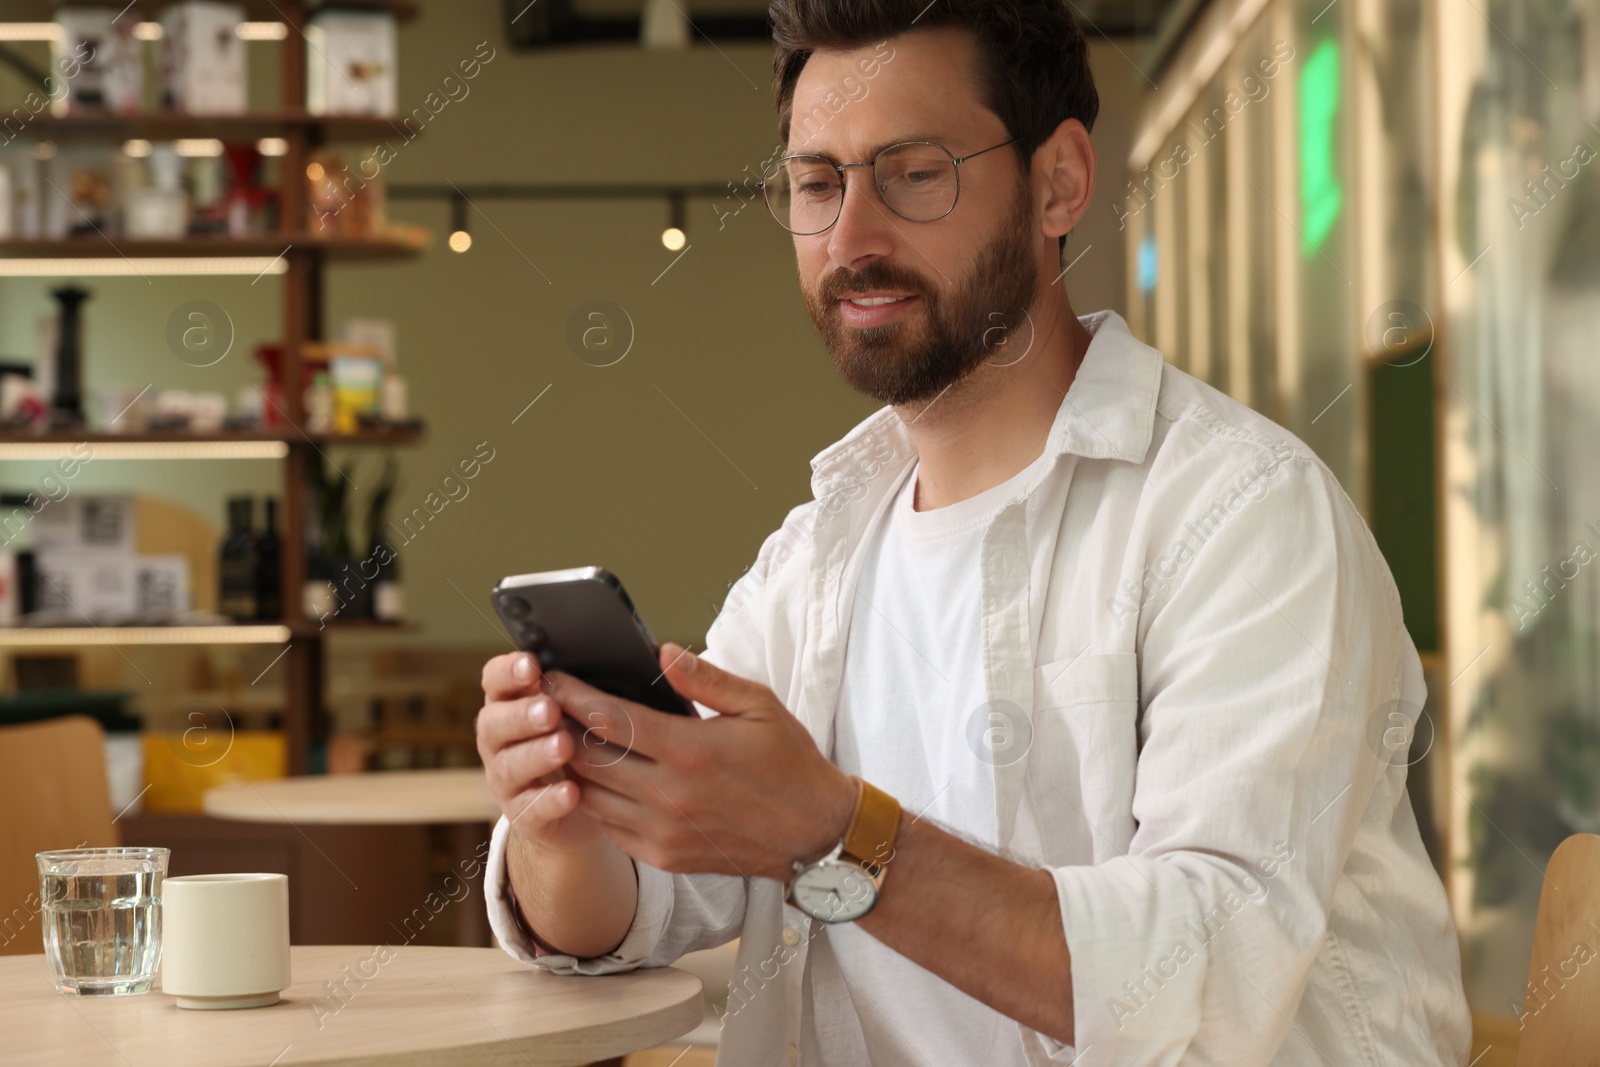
x,y
101,913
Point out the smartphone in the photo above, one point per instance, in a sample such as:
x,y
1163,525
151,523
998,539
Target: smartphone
x,y
582,621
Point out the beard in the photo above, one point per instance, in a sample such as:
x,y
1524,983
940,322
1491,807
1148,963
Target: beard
x,y
945,338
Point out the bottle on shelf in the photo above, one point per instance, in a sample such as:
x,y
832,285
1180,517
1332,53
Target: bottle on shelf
x,y
388,599
319,404
317,600
269,567
388,603
238,563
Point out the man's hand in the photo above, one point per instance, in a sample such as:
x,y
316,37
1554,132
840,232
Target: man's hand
x,y
576,892
525,743
746,792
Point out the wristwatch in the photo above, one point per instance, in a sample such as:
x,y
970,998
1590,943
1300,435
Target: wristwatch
x,y
843,886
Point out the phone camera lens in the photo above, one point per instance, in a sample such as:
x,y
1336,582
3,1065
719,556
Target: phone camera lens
x,y
533,635
515,607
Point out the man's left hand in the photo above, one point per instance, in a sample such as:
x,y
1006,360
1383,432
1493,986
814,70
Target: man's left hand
x,y
746,792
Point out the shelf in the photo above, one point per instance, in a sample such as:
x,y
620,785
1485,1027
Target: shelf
x,y
159,126
254,10
268,245
58,636
265,633
266,444
311,627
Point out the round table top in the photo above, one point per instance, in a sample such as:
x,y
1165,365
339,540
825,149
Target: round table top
x,y
412,1006
444,796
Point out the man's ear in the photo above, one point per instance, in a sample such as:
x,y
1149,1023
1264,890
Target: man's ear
x,y
1065,166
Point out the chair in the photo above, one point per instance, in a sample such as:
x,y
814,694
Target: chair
x,y
54,794
1561,1024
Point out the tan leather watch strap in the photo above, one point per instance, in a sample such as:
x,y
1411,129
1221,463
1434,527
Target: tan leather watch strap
x,y
874,826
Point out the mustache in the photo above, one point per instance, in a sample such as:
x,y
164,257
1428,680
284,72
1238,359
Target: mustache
x,y
845,283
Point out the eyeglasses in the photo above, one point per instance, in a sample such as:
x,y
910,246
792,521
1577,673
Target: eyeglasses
x,y
920,181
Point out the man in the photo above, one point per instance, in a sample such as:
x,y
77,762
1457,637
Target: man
x,y
1114,656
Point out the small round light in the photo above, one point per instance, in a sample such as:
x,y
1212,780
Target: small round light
x,y
460,241
674,239
136,148
314,172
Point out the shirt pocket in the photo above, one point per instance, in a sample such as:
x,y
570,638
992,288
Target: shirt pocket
x,y
1084,755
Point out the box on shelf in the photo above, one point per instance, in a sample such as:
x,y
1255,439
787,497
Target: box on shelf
x,y
19,206
84,584
83,174
83,520
100,60
100,585
10,588
357,390
180,766
202,58
342,201
161,586
351,64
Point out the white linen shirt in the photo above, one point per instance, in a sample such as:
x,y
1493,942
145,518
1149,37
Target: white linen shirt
x,y
1203,654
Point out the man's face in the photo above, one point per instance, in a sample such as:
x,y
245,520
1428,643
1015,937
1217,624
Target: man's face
x,y
967,278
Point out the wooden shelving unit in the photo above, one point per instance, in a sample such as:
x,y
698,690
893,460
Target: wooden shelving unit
x,y
304,253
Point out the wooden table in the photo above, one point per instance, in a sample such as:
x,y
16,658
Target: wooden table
x,y
413,1006
376,797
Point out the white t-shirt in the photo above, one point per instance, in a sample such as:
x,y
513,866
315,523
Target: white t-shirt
x,y
913,681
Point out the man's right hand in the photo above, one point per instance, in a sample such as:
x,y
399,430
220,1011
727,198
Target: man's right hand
x,y
525,744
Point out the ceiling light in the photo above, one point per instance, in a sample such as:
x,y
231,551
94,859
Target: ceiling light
x,y
460,238
676,235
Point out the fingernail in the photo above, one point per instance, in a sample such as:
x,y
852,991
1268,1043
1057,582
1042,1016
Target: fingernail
x,y
522,669
539,712
688,661
550,744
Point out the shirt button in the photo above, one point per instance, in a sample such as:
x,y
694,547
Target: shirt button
x,y
794,1054
791,936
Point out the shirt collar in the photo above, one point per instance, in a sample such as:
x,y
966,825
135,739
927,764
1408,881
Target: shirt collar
x,y
1108,412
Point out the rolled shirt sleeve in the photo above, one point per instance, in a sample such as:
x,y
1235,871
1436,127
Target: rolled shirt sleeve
x,y
1262,666
643,937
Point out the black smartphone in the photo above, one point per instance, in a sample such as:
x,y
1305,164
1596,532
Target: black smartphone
x,y
582,621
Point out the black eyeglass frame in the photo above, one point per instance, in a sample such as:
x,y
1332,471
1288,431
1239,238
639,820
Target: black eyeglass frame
x,y
844,184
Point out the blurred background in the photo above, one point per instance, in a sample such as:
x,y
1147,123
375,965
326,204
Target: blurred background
x,y
308,338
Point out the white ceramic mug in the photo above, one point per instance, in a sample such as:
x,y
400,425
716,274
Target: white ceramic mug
x,y
225,939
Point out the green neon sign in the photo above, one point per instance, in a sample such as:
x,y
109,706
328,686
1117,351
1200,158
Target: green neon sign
x,y
1321,197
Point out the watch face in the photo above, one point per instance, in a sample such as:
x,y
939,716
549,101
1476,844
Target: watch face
x,y
834,892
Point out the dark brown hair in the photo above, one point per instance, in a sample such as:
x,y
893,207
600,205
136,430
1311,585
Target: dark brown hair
x,y
1033,67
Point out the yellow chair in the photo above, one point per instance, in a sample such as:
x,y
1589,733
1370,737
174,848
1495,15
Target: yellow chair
x,y
54,794
1561,1024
